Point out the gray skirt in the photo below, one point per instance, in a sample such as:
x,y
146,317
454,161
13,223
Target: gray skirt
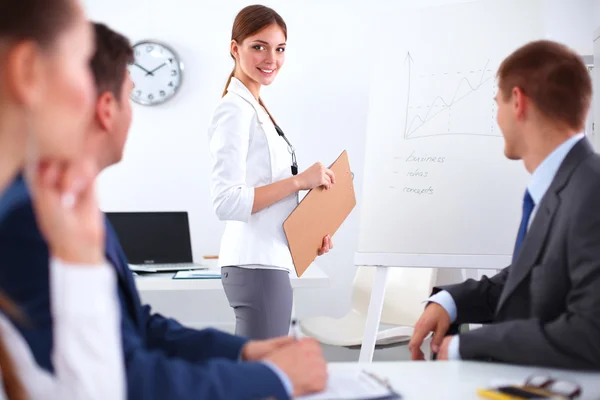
x,y
261,299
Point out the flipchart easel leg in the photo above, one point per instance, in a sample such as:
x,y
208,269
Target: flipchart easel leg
x,y
373,315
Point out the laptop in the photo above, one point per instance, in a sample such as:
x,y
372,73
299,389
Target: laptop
x,y
155,241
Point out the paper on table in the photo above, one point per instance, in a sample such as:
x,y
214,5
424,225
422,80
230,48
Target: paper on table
x,y
350,385
199,274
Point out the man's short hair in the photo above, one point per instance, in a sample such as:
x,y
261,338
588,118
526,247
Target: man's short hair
x,y
554,77
113,54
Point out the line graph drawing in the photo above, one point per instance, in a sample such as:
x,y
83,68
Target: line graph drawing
x,y
445,104
450,103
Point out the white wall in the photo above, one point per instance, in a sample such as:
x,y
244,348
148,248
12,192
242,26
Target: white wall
x,y
320,99
573,22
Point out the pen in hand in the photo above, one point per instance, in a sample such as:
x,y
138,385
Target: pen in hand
x,y
295,329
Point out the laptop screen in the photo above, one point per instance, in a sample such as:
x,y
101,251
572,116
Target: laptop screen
x,y
153,237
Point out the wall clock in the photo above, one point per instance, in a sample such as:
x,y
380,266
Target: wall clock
x,y
156,72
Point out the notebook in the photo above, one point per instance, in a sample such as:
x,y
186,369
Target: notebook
x,y
354,385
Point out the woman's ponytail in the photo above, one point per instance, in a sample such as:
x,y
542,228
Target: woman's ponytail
x,y
228,82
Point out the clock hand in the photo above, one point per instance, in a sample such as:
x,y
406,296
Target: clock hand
x,y
155,69
139,66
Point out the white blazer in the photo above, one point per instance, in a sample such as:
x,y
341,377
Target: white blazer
x,y
247,152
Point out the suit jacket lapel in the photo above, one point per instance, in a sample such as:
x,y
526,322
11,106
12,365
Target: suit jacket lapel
x,y
115,256
540,226
14,194
532,245
237,87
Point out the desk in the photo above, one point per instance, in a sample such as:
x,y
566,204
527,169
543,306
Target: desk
x,y
314,277
186,300
423,380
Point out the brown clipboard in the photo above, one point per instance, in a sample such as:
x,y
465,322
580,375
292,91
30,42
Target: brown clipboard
x,y
321,212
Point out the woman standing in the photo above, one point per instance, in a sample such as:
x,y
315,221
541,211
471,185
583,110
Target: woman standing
x,y
255,180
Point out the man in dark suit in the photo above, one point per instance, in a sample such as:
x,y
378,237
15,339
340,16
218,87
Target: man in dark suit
x,y
164,360
544,309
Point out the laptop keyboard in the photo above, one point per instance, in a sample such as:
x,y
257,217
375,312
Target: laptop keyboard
x,y
176,266
165,267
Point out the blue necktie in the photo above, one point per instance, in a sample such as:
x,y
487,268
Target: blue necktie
x,y
527,209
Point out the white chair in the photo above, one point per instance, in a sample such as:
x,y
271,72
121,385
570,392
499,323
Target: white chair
x,y
406,291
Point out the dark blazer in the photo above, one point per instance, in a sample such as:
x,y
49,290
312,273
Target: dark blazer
x,y
544,309
11,196
164,360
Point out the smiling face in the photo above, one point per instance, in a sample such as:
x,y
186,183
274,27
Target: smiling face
x,y
259,57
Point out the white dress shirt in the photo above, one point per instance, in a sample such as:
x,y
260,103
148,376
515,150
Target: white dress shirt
x,y
87,351
540,181
247,152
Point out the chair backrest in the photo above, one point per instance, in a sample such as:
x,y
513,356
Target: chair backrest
x,y
405,293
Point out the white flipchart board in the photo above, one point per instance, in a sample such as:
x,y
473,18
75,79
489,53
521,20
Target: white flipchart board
x,y
438,190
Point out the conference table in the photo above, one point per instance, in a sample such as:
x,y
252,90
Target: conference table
x,y
314,277
448,380
201,303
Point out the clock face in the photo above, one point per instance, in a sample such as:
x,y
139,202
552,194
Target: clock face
x,y
156,73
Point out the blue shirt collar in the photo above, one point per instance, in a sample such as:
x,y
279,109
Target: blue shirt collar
x,y
544,174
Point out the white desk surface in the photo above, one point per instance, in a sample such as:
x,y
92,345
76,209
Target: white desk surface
x,y
314,277
448,380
